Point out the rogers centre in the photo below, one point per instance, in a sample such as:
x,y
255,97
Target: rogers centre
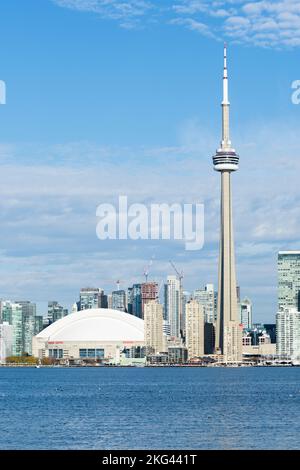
x,y
99,334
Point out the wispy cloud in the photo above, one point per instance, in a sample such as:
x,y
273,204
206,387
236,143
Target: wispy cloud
x,y
47,212
126,12
262,23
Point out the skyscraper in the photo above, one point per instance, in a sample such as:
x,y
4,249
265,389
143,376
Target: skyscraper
x,y
246,313
153,326
206,298
194,329
288,316
92,297
172,308
228,332
289,280
135,300
6,341
12,314
149,291
288,333
56,311
28,324
119,301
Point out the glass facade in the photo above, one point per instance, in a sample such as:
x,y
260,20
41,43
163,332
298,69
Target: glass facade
x,y
56,353
56,311
91,353
119,300
207,298
92,297
12,314
289,280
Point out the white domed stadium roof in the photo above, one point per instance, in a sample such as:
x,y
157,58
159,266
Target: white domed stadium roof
x,y
96,324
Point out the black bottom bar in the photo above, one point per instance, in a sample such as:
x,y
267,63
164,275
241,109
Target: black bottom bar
x,y
138,458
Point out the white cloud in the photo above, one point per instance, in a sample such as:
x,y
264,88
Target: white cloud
x,y
262,23
126,12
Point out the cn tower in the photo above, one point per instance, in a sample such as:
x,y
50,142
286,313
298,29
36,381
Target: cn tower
x,y
228,342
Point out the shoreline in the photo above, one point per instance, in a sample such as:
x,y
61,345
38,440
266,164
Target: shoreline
x,y
169,366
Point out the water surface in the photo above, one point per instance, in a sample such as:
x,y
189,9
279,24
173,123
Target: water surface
x,y
150,408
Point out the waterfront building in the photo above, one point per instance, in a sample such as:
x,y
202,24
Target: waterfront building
x,y
56,311
38,324
246,313
289,280
12,314
119,300
207,298
153,327
93,334
6,341
288,333
28,324
194,329
172,307
228,331
177,354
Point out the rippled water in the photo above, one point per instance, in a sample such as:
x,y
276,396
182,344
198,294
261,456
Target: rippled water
x,y
150,408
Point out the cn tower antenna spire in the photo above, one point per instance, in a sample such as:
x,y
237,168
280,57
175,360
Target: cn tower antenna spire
x,y
226,143
225,77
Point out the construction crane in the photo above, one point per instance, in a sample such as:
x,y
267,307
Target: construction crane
x,y
147,269
180,276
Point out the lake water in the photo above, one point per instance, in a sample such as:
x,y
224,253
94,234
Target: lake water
x,y
150,408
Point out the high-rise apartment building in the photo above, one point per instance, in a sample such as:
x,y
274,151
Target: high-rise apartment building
x,y
172,307
38,324
246,313
288,333
153,327
12,314
288,316
92,297
6,341
119,301
149,292
207,298
289,280
135,300
28,324
194,315
56,311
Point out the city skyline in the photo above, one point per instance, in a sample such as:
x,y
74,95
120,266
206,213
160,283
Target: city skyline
x,y
161,110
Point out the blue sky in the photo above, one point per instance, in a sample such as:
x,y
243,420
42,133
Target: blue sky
x,y
123,97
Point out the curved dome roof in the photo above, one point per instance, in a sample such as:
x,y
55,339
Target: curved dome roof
x,y
96,324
